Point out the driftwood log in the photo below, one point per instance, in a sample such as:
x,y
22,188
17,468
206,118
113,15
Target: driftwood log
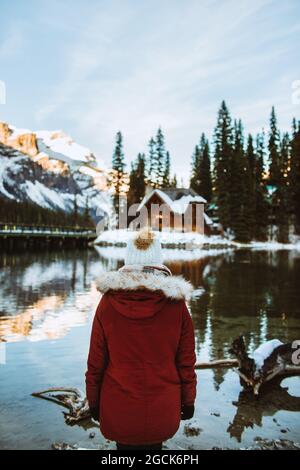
x,y
217,363
71,398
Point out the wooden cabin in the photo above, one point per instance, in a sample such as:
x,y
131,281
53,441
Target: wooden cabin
x,y
179,209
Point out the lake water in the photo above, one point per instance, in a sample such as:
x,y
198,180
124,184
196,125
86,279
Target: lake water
x,y
47,302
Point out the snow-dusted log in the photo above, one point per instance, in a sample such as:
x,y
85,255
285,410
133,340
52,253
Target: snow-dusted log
x,y
271,359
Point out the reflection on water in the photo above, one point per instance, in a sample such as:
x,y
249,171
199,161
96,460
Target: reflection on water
x,y
251,409
43,296
254,293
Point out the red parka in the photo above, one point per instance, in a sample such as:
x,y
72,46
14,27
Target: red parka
x,y
142,356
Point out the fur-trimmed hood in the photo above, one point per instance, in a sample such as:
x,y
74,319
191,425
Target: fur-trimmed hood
x,y
173,287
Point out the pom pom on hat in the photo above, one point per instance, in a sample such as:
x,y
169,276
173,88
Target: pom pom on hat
x,y
144,249
144,239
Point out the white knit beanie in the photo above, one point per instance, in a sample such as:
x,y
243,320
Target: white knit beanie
x,y
144,249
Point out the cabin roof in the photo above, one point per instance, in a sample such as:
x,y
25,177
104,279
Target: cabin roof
x,y
177,193
176,198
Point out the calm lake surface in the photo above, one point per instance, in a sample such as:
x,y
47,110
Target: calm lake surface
x,y
47,303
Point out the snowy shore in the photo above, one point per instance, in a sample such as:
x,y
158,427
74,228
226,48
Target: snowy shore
x,y
191,241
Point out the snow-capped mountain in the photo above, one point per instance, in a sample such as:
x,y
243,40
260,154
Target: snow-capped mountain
x,y
51,170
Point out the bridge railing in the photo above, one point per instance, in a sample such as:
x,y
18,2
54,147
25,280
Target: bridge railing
x,y
13,228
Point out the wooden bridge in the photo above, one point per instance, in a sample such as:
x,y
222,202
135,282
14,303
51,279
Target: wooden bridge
x,y
46,233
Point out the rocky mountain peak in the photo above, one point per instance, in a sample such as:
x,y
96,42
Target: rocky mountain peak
x,y
50,169
19,139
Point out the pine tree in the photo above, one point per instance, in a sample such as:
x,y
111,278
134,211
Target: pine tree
x,y
137,181
160,155
239,194
167,167
249,169
274,151
205,172
141,177
195,177
158,165
294,175
261,194
118,175
251,157
223,139
278,155
151,164
282,191
201,180
274,169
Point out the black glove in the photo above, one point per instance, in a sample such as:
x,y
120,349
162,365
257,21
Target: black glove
x,y
187,411
95,413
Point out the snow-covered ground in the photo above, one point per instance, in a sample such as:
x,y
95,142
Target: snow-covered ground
x,y
191,241
172,239
273,245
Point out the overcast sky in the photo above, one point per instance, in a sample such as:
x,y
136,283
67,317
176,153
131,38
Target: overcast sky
x,y
93,67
